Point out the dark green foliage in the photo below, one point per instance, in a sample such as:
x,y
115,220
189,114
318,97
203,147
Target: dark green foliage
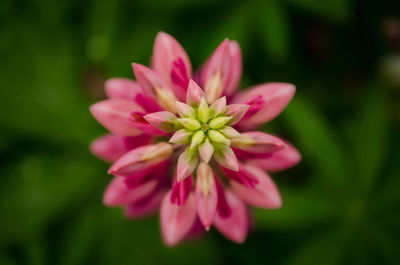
x,y
341,205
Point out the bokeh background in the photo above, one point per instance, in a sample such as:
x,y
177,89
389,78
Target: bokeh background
x,y
341,203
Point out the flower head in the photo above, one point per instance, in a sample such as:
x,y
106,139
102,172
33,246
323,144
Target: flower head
x,y
186,143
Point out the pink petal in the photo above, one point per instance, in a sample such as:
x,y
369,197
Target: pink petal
x,y
137,119
171,61
147,79
226,158
218,107
184,110
181,136
118,193
194,94
187,163
148,103
276,97
145,206
236,68
264,194
217,72
256,144
180,190
158,172
163,120
242,176
141,159
223,71
234,226
133,142
206,151
122,88
108,147
206,195
277,161
113,115
237,111
176,221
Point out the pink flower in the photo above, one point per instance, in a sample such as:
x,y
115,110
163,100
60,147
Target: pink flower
x,y
190,147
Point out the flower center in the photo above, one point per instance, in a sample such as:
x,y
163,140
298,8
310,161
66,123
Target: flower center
x,y
206,129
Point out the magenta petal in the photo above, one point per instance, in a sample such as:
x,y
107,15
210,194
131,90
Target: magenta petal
x,y
113,114
264,194
172,63
206,195
235,226
180,190
176,221
122,88
242,176
118,193
194,94
277,161
108,147
276,97
133,142
145,206
141,159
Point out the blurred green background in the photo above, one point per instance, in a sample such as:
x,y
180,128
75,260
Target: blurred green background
x,y
341,203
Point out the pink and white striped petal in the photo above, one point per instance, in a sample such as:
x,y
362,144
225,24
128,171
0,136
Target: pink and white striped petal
x,y
113,114
176,221
234,226
277,161
274,98
264,194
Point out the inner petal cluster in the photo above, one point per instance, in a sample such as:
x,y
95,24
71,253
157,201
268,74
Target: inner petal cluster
x,y
206,130
205,125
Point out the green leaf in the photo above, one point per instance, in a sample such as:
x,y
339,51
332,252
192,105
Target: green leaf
x,y
369,138
39,186
338,10
317,142
302,208
327,248
274,27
